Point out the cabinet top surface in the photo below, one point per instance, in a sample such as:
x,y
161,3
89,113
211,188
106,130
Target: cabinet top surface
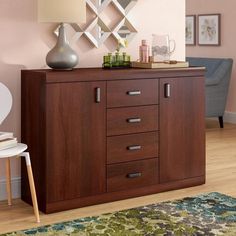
x,y
100,74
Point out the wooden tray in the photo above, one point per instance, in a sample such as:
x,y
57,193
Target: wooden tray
x,y
159,65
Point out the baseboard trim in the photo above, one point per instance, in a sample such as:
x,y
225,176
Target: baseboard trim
x,y
230,117
15,184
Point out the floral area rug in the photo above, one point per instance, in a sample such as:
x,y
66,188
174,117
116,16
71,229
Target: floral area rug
x,y
206,214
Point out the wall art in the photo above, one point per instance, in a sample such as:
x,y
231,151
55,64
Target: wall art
x,y
190,30
97,29
209,30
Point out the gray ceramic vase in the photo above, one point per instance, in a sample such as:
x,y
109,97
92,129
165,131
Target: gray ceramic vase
x,y
62,56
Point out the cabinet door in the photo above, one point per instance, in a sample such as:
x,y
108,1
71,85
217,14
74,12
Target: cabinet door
x,y
182,128
76,150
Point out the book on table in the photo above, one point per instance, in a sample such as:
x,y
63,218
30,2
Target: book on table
x,y
6,135
8,143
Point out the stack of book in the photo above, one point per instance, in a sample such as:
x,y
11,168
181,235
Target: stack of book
x,y
7,140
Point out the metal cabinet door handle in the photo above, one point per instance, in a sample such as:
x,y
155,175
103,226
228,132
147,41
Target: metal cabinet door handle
x,y
167,90
134,120
134,93
98,95
134,147
134,175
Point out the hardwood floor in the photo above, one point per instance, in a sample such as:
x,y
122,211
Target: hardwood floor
x,y
221,177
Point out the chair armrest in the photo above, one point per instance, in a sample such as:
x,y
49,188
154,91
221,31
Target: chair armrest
x,y
219,74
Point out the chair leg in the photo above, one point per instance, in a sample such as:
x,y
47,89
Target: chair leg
x,y
32,186
221,121
8,180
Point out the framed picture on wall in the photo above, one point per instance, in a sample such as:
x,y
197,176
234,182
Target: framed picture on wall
x,y
190,30
209,30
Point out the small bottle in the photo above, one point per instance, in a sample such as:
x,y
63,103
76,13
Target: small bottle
x,y
144,52
110,59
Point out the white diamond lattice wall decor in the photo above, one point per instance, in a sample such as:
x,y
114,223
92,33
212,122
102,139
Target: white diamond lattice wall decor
x,y
98,30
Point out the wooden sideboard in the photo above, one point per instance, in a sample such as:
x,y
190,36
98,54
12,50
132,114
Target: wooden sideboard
x,y
98,135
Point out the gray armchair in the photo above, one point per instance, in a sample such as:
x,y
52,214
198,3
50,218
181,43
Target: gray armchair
x,y
218,74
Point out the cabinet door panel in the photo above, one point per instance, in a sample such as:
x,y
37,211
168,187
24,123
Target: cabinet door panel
x,y
76,149
182,136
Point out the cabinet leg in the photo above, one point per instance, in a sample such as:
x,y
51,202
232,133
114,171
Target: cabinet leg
x,y
32,186
221,121
8,181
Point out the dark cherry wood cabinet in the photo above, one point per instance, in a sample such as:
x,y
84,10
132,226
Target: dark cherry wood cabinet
x,y
99,135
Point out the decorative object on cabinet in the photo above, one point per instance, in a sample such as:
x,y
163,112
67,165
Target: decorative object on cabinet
x,y
119,60
121,138
15,151
190,30
116,61
144,51
209,30
160,65
62,56
161,47
98,30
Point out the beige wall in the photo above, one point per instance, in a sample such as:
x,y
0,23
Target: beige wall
x,y
228,36
24,44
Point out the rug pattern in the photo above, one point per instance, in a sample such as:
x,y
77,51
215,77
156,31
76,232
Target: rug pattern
x,y
207,214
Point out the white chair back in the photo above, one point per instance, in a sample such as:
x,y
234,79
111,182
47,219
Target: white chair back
x,y
5,102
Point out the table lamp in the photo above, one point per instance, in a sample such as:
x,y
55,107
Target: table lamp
x,y
62,56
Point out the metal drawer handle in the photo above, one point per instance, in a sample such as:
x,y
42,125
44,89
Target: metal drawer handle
x,y
98,95
134,93
134,147
134,120
167,90
134,175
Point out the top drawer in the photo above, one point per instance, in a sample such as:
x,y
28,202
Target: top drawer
x,y
132,93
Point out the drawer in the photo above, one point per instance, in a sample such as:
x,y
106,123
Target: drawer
x,y
132,147
132,120
132,174
132,93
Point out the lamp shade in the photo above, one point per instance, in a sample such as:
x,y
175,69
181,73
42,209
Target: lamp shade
x,y
66,11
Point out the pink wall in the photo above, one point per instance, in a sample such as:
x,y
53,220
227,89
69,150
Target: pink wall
x,y
24,44
228,37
